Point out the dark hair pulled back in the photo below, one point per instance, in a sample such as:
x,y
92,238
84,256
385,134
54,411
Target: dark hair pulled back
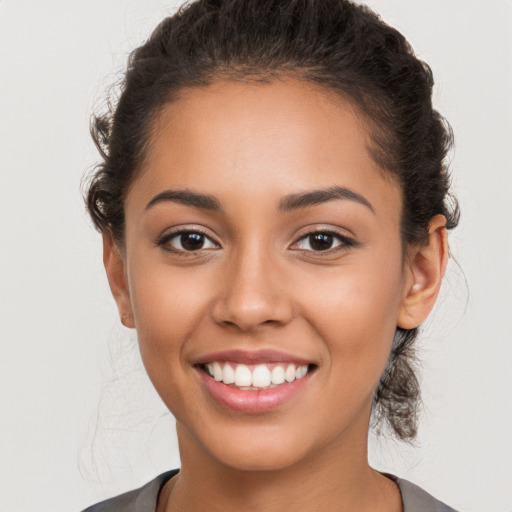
x,y
340,45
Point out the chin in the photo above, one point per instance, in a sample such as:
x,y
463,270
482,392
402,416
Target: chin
x,y
262,459
264,447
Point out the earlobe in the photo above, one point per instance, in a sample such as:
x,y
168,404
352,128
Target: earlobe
x,y
426,267
114,267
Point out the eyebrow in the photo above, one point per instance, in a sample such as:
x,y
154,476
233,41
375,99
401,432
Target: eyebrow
x,y
187,197
316,197
288,203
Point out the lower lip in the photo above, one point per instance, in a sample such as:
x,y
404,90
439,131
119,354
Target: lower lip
x,y
252,401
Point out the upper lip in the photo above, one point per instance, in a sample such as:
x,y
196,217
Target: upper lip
x,y
252,357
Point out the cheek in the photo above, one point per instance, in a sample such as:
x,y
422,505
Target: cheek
x,y
168,304
355,315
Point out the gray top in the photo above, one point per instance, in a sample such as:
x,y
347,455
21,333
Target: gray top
x,y
145,498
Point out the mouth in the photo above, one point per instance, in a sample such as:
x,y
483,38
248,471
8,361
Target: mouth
x,y
254,382
256,377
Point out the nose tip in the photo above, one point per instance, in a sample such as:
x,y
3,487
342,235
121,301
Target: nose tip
x,y
247,316
252,299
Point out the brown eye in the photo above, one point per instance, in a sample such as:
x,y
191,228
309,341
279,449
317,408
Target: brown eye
x,y
188,241
192,241
322,241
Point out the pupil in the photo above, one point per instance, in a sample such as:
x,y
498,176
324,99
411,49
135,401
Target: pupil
x,y
192,241
320,241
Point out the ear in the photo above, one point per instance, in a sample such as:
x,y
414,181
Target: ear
x,y
426,267
115,268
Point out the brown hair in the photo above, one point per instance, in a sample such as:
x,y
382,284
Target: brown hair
x,y
343,46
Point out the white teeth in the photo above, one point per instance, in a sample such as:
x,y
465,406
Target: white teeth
x,y
228,375
243,376
217,371
261,376
301,371
278,375
289,374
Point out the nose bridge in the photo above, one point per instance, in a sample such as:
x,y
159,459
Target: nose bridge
x,y
253,293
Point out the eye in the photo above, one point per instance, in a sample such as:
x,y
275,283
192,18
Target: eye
x,y
187,241
321,241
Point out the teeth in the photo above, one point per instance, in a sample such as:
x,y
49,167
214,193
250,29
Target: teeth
x,y
261,377
217,372
278,375
289,374
243,376
257,377
301,372
228,375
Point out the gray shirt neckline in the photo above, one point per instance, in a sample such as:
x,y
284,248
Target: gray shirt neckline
x,y
145,498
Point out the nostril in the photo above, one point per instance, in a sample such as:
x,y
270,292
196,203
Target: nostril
x,y
250,302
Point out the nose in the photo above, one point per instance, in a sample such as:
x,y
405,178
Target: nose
x,y
254,292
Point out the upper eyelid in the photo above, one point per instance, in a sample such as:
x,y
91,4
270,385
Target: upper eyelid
x,y
327,231
180,230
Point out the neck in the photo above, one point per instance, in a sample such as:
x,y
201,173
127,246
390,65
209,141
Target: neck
x,y
336,478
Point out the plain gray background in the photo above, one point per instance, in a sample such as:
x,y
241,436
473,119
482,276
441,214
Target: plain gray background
x,y
79,421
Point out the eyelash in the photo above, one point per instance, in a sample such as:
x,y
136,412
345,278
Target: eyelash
x,y
345,241
162,242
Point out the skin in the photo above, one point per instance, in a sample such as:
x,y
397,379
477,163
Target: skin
x,y
258,285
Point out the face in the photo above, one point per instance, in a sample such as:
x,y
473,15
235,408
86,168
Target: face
x,y
263,247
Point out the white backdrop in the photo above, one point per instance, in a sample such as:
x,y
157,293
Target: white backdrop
x,y
78,420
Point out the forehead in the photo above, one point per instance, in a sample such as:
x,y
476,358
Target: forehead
x,y
262,140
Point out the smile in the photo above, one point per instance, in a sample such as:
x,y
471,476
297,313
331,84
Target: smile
x,y
254,382
255,377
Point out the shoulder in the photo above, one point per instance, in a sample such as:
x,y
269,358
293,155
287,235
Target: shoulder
x,y
143,499
415,499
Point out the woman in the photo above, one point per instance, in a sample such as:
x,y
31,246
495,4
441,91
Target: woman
x,y
274,207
